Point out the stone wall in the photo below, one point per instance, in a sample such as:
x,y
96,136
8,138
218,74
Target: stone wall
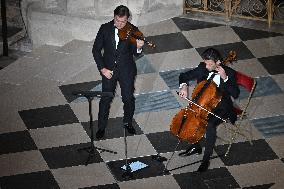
x,y
13,13
56,22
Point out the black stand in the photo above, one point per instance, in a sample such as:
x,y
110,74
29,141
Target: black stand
x,y
127,173
166,171
159,158
90,96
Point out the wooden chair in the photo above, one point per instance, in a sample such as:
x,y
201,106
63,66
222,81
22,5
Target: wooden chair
x,y
249,84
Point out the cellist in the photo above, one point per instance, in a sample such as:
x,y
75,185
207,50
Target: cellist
x,y
224,78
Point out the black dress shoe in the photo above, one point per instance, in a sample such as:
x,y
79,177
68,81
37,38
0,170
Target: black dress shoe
x,y
130,128
203,166
100,133
191,151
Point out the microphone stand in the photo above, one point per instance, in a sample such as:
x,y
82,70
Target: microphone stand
x,y
90,96
127,174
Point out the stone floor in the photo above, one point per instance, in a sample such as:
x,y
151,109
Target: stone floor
x,y
43,125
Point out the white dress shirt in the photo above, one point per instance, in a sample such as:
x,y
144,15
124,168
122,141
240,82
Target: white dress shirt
x,y
216,79
117,40
116,37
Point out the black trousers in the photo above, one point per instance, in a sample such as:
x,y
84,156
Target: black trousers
x,y
127,93
211,136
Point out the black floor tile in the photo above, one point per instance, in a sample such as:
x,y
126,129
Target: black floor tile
x,y
273,64
251,34
67,156
213,178
167,42
166,142
16,142
67,90
244,152
154,168
155,101
107,186
42,180
241,49
185,24
171,78
144,65
263,186
270,126
48,116
114,128
265,86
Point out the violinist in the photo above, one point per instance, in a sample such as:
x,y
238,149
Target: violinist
x,y
224,78
114,59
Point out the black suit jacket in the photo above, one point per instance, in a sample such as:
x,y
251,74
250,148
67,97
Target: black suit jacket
x,y
227,89
106,55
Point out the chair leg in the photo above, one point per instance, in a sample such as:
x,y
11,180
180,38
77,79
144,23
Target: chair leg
x,y
233,137
230,145
237,131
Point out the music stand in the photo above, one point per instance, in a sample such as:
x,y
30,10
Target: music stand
x,y
90,96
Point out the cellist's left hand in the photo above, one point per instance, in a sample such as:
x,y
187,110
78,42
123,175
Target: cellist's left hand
x,y
221,72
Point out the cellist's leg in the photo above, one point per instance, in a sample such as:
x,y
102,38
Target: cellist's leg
x,y
210,140
209,144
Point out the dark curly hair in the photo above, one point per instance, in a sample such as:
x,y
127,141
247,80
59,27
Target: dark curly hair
x,y
121,11
211,54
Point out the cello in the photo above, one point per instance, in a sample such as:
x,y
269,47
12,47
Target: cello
x,y
190,122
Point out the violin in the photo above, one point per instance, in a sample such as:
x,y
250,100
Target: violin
x,y
190,123
131,33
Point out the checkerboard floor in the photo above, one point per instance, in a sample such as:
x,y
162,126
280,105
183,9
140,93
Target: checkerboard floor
x,y
44,126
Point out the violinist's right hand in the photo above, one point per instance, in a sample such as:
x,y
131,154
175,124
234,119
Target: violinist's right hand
x,y
107,73
183,91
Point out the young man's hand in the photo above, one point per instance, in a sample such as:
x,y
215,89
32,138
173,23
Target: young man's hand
x,y
139,43
107,73
221,72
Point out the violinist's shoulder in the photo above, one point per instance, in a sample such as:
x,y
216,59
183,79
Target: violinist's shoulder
x,y
108,24
202,65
